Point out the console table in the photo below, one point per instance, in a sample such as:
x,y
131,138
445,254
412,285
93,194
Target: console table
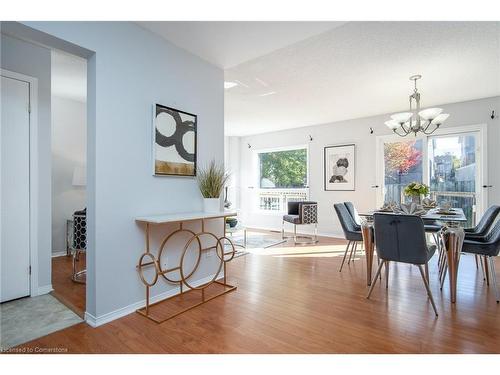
x,y
148,260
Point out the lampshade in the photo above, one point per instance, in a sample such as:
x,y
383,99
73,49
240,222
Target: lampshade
x,y
430,113
401,118
391,124
440,119
79,176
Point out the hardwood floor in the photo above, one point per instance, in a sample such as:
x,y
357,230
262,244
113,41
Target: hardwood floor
x,y
65,290
294,300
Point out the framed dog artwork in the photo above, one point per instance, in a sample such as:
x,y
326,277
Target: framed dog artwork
x,y
340,167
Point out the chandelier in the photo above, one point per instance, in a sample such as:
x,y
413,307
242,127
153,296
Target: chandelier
x,y
426,121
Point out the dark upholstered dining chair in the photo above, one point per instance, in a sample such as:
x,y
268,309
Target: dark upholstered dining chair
x,y
487,247
351,233
301,213
354,214
475,234
483,227
401,238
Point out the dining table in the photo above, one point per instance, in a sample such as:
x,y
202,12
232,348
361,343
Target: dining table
x,y
451,234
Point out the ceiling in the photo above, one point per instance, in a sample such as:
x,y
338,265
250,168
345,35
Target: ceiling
x,y
294,74
69,76
226,44
361,69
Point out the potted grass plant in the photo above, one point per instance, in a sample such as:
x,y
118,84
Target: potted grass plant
x,y
211,181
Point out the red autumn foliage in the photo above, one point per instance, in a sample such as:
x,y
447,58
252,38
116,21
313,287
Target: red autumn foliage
x,y
400,157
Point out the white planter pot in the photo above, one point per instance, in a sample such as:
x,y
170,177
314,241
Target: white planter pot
x,y
211,205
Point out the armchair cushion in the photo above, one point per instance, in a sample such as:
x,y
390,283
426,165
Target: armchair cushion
x,y
294,219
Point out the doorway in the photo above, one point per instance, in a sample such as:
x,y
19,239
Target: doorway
x,y
452,163
69,164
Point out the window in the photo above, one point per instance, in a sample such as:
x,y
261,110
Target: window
x,y
283,169
283,177
450,163
402,165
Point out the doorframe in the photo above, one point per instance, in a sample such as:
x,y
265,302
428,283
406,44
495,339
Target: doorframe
x,y
33,177
482,153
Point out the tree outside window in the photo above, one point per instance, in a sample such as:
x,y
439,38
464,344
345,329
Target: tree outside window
x,y
402,164
283,169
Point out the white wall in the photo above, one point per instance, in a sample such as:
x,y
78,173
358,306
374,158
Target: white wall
x,y
69,145
357,131
32,60
129,69
232,165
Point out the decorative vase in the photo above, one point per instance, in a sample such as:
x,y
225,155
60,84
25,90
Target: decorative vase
x,y
227,203
417,199
211,205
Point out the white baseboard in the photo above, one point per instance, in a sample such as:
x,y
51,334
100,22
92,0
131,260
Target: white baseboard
x,y
119,313
57,254
46,289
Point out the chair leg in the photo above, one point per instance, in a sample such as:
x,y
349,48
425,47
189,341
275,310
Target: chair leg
x,y
482,266
442,262
486,271
429,293
350,254
75,275
374,281
345,255
386,274
443,277
74,264
477,263
282,229
494,278
427,273
353,253
295,233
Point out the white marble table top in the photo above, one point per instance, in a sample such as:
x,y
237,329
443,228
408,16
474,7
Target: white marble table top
x,y
183,216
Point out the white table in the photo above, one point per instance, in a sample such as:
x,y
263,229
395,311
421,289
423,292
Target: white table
x,y
184,279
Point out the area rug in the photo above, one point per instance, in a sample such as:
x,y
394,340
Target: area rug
x,y
29,318
254,241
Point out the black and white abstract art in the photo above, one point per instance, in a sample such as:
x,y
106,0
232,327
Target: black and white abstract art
x,y
340,167
174,142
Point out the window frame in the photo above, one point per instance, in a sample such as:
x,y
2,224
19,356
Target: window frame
x,y
482,155
256,178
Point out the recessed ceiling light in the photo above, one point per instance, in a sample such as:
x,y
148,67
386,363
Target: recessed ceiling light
x,y
229,84
268,93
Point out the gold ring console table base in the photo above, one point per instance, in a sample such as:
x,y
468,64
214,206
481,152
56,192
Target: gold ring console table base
x,y
190,295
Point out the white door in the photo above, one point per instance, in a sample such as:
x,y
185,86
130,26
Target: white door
x,y
14,204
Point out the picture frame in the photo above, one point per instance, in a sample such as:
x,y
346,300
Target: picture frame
x,y
340,167
174,142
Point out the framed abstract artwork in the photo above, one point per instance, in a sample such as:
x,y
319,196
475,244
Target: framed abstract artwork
x,y
340,167
174,142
